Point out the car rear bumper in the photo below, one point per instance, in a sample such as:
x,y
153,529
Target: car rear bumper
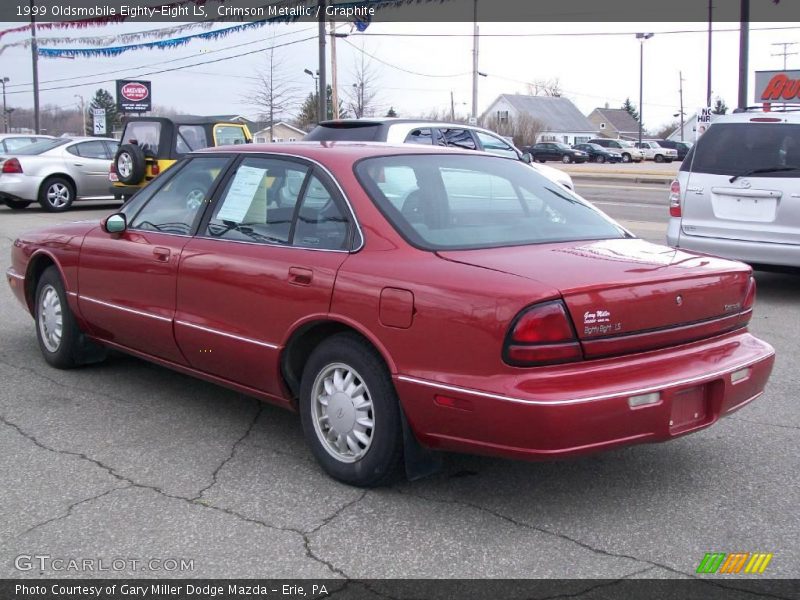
x,y
585,407
19,187
119,190
755,253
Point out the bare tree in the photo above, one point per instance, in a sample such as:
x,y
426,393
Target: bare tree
x,y
274,94
362,95
523,129
545,87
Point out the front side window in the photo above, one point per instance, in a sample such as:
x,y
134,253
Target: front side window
x,y
175,207
225,135
463,202
495,145
275,201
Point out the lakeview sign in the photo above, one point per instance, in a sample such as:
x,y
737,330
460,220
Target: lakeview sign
x,y
133,96
777,86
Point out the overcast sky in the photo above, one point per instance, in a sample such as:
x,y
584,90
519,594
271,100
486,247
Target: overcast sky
x,y
417,73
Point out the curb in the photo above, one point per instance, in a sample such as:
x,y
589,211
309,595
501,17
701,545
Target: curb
x,y
622,178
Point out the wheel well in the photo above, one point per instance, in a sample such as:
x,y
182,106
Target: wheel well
x,y
302,344
69,179
37,266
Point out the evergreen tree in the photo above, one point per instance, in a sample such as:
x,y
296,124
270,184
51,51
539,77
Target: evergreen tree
x,y
720,108
630,107
391,112
103,99
308,110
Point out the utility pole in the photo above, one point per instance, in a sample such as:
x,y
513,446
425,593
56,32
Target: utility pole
x,y
322,107
641,37
708,74
4,81
744,49
475,37
35,58
452,106
334,86
680,92
785,52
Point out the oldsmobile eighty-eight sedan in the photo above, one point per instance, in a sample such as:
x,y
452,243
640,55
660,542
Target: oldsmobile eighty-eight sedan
x,y
403,300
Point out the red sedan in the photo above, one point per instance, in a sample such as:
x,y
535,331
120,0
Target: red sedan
x,y
402,299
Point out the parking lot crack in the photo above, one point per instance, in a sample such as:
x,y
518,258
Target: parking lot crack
x,y
234,448
70,508
561,536
763,424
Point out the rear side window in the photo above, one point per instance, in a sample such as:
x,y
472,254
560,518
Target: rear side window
x,y
420,136
225,135
190,138
738,148
353,132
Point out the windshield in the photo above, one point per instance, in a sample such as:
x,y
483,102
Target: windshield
x,y
625,144
738,148
444,202
42,146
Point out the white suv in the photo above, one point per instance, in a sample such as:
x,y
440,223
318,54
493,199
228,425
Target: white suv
x,y
738,190
429,133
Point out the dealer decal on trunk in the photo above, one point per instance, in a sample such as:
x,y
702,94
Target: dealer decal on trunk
x,y
599,322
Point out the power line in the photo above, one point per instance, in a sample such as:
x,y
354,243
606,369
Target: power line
x,y
383,62
571,34
205,62
172,60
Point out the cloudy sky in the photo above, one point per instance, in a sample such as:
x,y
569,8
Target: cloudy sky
x,y
595,63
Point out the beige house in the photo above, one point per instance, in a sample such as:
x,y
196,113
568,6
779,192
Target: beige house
x,y
281,132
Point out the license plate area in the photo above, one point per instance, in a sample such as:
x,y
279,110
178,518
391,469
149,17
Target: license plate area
x,y
738,208
689,408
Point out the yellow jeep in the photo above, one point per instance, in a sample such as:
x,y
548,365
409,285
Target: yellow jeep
x,y
151,145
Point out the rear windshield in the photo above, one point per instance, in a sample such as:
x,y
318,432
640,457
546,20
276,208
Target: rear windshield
x,y
146,133
349,132
443,202
738,148
43,146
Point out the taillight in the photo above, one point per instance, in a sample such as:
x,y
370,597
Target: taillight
x,y
155,169
12,166
675,199
112,173
542,335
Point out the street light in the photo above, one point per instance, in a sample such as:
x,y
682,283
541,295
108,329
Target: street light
x,y
5,80
641,37
360,94
316,78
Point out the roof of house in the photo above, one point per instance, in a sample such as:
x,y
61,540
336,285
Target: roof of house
x,y
557,113
619,118
265,127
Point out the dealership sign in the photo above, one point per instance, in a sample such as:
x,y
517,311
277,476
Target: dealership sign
x,y
777,86
133,96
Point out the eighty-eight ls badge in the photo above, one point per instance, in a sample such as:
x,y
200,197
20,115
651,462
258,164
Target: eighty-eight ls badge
x,y
734,563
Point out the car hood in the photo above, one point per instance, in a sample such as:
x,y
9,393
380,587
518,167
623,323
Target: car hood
x,y
623,286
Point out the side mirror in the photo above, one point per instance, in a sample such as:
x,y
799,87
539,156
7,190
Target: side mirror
x,y
116,223
527,158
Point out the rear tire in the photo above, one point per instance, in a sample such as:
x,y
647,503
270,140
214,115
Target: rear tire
x,y
350,412
56,194
17,204
566,159
601,159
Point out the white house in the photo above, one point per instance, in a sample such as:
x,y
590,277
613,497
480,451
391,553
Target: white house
x,y
281,132
562,120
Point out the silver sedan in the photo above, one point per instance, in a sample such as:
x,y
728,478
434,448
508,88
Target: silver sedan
x,y
56,172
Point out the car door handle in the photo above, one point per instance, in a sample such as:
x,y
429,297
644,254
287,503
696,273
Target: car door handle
x,y
161,253
300,276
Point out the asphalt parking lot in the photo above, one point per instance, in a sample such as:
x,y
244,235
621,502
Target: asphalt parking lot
x,y
129,460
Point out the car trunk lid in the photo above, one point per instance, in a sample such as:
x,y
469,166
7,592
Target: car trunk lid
x,y
629,295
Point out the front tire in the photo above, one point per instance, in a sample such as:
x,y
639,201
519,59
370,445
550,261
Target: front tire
x,y
601,159
61,341
350,412
17,204
626,158
56,194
